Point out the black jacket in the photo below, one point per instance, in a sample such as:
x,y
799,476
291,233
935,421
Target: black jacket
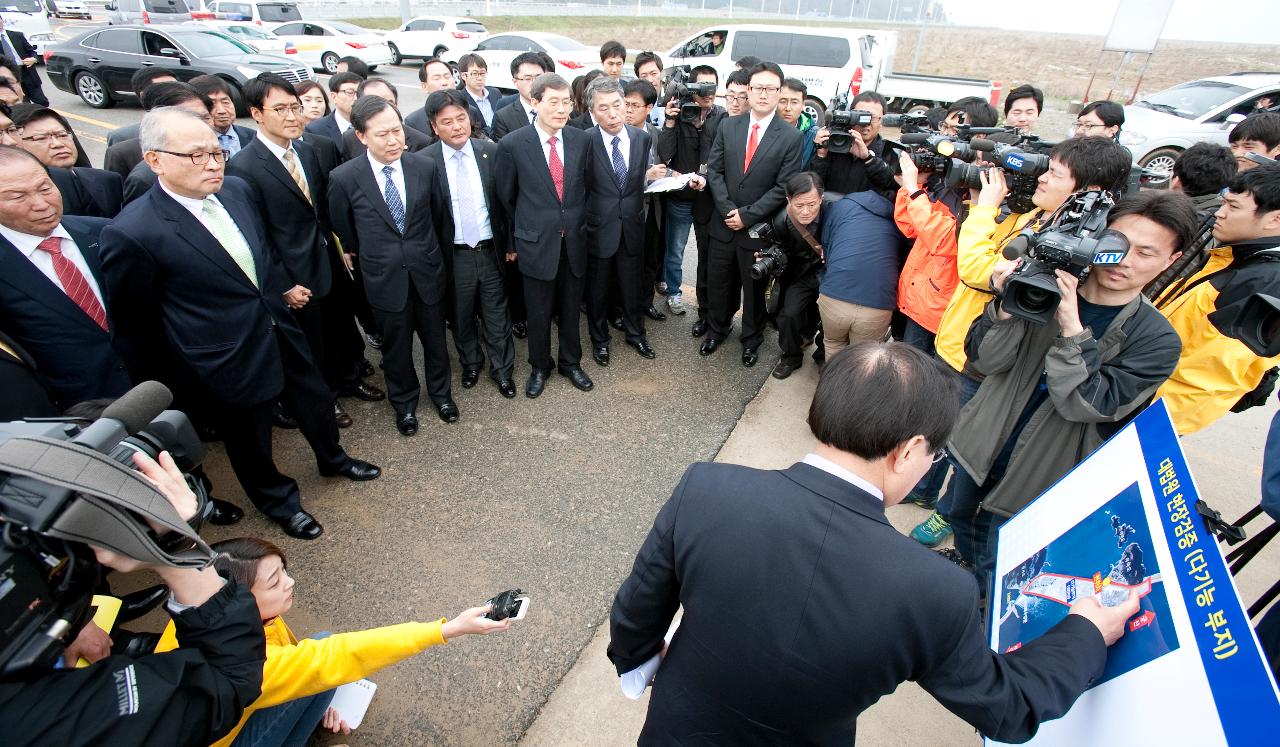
x,y
123,156
758,192
22,395
802,608
191,696
95,193
508,119
687,149
843,173
414,141
801,258
616,215
485,152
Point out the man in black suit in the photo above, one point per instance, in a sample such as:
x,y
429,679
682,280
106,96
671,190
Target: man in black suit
x,y
90,192
436,75
289,189
46,134
199,302
474,70
474,232
387,208
803,605
14,45
343,89
543,190
414,138
125,155
142,79
510,117
615,220
222,107
753,155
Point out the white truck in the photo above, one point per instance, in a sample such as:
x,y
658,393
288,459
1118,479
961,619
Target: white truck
x,y
829,62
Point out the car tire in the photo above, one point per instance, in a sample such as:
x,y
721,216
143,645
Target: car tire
x,y
1161,159
918,109
817,110
440,50
372,68
396,59
329,61
93,91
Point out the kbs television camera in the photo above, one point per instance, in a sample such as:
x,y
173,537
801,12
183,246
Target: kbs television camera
x,y
64,486
1075,240
1023,168
773,257
841,120
683,91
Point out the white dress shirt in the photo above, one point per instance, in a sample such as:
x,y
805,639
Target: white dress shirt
x,y
528,110
27,244
764,127
397,176
344,124
480,211
279,152
482,103
624,145
545,137
830,467
196,208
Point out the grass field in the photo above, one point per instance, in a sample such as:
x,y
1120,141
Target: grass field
x,y
1058,63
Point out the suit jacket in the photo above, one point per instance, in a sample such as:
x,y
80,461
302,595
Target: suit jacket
x,y
417,119
186,311
92,192
758,193
494,96
388,259
803,607
505,101
123,156
536,215
75,358
414,141
139,181
246,135
614,214
485,153
328,127
22,395
297,228
583,121
328,152
508,119
120,134
30,78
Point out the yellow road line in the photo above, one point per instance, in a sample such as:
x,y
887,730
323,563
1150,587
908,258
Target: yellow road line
x,y
88,120
95,138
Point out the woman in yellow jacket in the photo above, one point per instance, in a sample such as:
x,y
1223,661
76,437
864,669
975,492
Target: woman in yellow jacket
x,y
299,677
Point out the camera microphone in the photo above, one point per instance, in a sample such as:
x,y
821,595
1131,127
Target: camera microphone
x,y
129,414
915,138
1017,247
986,146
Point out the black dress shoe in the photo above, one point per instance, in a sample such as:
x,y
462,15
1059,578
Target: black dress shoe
x,y
616,323
356,470
302,525
699,328
448,411
225,513
282,419
340,415
407,423
652,312
537,382
366,368
469,377
642,347
784,369
749,357
600,354
520,330
139,603
366,392
709,346
375,341
507,387
578,377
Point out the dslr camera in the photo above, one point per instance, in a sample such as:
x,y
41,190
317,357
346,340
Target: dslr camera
x,y
773,257
1075,240
683,91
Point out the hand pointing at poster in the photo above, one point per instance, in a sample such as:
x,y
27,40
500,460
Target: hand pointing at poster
x,y
1109,621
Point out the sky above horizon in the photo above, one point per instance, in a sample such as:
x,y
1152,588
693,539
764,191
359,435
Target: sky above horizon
x,y
1239,21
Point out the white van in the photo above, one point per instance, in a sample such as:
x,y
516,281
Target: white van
x,y
31,18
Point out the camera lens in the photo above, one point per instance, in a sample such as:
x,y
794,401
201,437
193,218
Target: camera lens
x,y
1036,300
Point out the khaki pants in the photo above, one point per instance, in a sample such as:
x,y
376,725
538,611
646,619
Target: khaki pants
x,y
844,323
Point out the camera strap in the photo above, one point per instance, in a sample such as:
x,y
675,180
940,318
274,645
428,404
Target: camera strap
x,y
808,238
111,500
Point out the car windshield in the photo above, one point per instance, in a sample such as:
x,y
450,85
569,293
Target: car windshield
x,y
564,43
1193,100
279,12
347,28
21,6
210,44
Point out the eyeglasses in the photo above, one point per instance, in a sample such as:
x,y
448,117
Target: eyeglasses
x,y
940,454
735,97
1086,126
283,109
201,157
346,92
40,137
765,89
13,131
475,74
525,78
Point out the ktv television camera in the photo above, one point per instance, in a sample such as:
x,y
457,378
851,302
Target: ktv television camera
x,y
773,257
65,485
683,91
841,121
1075,239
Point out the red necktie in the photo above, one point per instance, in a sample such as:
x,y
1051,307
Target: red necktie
x,y
752,143
73,282
557,169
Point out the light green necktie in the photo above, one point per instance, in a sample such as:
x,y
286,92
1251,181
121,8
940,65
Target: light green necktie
x,y
225,231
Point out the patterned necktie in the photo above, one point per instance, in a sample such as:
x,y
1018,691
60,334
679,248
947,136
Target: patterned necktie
x,y
291,164
392,196
557,168
229,141
219,222
73,281
752,143
533,116
619,165
468,231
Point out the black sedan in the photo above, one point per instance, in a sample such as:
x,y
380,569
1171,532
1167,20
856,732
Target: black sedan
x,y
97,65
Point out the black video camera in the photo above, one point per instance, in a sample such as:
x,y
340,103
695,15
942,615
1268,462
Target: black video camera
x,y
1257,325
1075,240
1023,170
907,123
48,573
773,257
684,91
841,120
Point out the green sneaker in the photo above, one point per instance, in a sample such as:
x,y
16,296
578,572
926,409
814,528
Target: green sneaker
x,y
932,531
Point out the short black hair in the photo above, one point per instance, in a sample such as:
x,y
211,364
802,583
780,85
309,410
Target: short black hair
x,y
644,58
872,397
1111,113
1025,91
211,84
307,86
369,107
737,78
529,58
366,83
703,70
1094,161
795,84
24,114
766,67
172,93
1205,168
1170,210
869,96
746,62
643,87
12,66
611,49
438,101
805,181
422,71
977,111
338,80
257,89
1263,127
355,65
468,61
1263,183
142,77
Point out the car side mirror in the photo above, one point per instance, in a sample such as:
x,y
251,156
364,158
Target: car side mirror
x,y
1232,120
169,52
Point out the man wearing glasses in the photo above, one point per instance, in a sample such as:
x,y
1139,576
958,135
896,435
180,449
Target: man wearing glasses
x,y
47,136
342,94
524,68
200,304
474,73
863,167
